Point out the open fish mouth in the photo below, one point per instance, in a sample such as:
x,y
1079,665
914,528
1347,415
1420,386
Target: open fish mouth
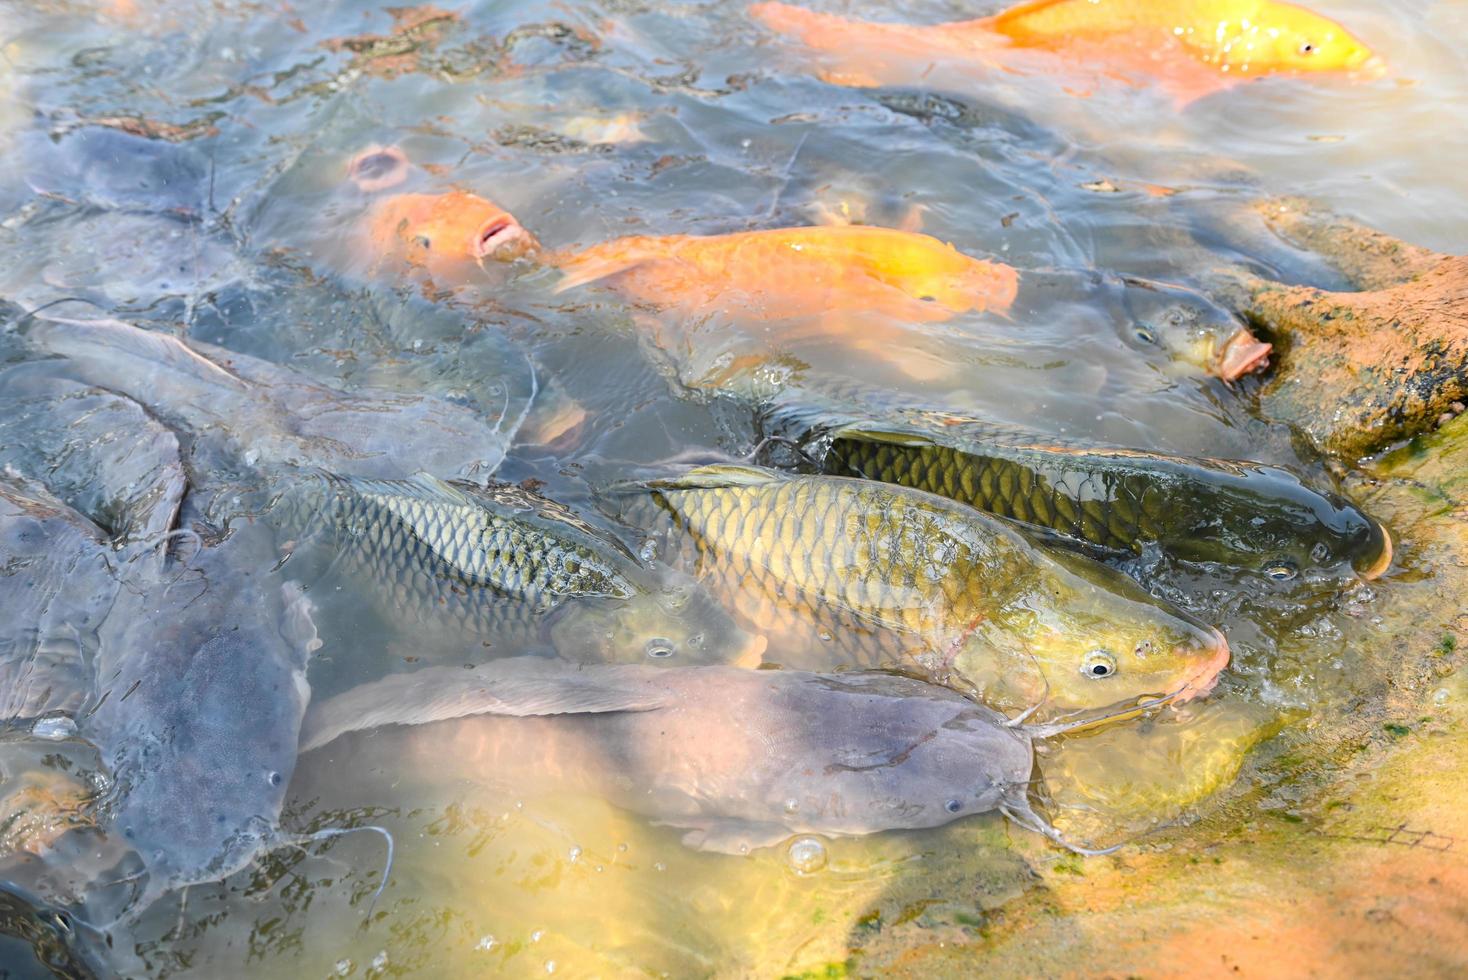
x,y
501,238
1243,354
377,168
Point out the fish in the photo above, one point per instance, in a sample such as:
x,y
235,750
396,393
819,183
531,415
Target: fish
x,y
796,272
199,692
1189,49
782,273
239,409
1115,502
447,235
840,570
56,589
735,759
505,565
99,452
1193,330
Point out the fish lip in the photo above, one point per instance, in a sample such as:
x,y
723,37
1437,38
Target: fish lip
x,y
1383,561
501,238
1206,679
378,168
1242,354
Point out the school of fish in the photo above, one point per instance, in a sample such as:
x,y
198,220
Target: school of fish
x,y
865,618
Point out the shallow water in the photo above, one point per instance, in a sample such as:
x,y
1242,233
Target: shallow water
x,y
233,224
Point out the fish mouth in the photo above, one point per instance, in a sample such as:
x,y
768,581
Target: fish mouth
x,y
377,168
1206,679
1242,354
1199,685
502,239
1383,561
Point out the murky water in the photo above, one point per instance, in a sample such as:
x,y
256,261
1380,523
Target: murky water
x,y
183,165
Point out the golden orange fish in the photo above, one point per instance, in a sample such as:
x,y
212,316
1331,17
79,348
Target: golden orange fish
x,y
1189,48
797,272
448,235
850,273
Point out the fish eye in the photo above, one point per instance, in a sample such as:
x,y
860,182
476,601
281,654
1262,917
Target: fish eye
x,y
1320,552
1307,48
953,806
928,299
659,648
1098,664
1145,334
1282,570
423,241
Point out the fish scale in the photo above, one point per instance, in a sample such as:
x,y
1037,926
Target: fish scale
x,y
817,559
1114,501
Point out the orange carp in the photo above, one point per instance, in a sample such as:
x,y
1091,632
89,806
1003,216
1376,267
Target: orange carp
x,y
1189,48
846,270
797,272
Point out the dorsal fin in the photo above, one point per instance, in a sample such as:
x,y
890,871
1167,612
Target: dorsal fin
x,y
719,476
519,687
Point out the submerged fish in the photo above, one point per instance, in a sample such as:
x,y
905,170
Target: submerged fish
x,y
1259,518
261,414
506,566
737,759
888,575
797,272
200,691
1190,49
55,590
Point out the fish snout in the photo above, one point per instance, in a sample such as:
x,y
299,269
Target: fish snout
x,y
502,239
378,168
1207,677
1383,561
1242,354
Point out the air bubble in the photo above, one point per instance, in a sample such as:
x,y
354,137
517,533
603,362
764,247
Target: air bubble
x,y
807,855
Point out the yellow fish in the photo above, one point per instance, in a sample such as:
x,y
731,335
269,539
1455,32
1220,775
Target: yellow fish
x,y
1190,48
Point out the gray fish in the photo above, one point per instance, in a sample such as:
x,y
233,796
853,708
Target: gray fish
x,y
55,590
200,691
503,562
738,759
265,415
97,451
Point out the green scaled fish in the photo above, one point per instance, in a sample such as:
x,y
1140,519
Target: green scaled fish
x,y
843,571
1259,518
503,565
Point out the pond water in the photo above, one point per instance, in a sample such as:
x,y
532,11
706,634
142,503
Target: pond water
x,y
183,166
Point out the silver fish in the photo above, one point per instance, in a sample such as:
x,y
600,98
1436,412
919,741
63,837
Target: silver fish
x,y
737,759
261,414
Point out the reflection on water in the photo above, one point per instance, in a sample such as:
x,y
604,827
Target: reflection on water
x,y
186,165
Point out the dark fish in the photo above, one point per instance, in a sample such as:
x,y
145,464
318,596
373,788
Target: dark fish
x,y
106,168
738,759
1114,501
503,562
264,415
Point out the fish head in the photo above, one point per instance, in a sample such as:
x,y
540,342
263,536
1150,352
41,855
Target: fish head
x,y
447,234
1079,636
1195,332
674,624
1266,521
1285,38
